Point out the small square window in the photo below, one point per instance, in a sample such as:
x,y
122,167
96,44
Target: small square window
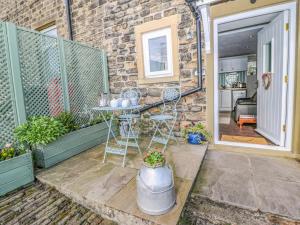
x,y
157,51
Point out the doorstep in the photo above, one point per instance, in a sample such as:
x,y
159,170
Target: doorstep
x,y
110,190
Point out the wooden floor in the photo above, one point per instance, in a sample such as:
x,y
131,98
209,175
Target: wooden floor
x,y
248,130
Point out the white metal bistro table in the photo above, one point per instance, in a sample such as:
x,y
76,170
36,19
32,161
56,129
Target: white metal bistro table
x,y
130,139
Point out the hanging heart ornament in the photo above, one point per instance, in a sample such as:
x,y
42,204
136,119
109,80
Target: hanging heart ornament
x,y
266,80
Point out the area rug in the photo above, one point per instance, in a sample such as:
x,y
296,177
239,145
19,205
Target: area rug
x,y
244,139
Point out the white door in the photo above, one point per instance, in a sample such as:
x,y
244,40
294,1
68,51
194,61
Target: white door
x,y
272,56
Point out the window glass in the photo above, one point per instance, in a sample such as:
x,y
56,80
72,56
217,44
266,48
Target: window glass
x,y
268,57
158,54
51,31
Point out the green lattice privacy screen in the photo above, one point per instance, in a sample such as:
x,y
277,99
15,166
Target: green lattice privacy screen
x,y
44,75
41,73
84,66
7,118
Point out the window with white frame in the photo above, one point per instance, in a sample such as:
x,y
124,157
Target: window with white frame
x,y
51,31
157,53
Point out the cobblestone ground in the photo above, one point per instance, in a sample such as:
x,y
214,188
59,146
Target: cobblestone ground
x,y
41,205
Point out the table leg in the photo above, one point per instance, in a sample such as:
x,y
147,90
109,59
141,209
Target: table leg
x,y
108,124
108,135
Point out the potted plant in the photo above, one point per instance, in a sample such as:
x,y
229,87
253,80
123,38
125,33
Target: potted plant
x,y
16,168
196,134
155,185
54,139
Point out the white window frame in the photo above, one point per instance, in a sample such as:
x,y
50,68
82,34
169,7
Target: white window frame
x,y
154,34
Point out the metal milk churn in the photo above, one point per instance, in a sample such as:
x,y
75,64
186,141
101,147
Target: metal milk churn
x,y
155,190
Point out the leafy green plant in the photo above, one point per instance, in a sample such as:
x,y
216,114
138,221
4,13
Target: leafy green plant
x,y
154,159
198,128
68,120
39,130
9,151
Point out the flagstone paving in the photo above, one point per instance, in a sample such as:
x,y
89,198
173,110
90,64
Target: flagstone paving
x,y
259,184
110,190
39,204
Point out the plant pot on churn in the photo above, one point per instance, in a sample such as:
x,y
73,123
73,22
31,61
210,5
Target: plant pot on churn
x,y
155,185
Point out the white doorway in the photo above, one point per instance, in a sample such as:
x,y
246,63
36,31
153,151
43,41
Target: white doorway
x,y
272,63
265,39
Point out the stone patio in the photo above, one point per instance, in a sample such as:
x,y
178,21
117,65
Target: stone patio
x,y
110,190
257,183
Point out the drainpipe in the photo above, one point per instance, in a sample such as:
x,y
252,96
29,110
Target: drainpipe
x,y
197,14
69,18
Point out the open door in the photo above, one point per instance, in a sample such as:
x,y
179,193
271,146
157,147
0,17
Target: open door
x,y
272,72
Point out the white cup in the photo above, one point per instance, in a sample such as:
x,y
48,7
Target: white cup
x,y
114,103
125,103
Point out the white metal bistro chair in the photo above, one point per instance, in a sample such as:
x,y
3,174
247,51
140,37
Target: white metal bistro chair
x,y
171,97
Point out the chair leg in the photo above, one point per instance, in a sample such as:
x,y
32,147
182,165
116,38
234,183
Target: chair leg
x,y
135,139
170,132
156,129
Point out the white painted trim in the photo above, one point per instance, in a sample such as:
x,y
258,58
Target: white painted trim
x,y
206,28
292,7
224,33
205,2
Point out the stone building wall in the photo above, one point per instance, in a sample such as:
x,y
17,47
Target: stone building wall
x,y
119,20
109,24
35,13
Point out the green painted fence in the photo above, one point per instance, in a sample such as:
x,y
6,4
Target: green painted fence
x,y
44,75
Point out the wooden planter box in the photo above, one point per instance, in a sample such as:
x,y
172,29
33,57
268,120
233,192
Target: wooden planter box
x,y
15,173
70,144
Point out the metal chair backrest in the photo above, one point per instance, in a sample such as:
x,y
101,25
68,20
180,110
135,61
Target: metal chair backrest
x,y
131,93
171,96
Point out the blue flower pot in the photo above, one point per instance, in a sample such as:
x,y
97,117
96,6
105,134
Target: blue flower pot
x,y
196,138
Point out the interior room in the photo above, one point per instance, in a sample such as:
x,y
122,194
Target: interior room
x,y
242,48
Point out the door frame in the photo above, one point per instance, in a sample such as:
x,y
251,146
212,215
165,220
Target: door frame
x,y
291,6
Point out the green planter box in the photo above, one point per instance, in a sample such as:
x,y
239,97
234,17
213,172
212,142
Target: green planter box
x,y
15,173
70,144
